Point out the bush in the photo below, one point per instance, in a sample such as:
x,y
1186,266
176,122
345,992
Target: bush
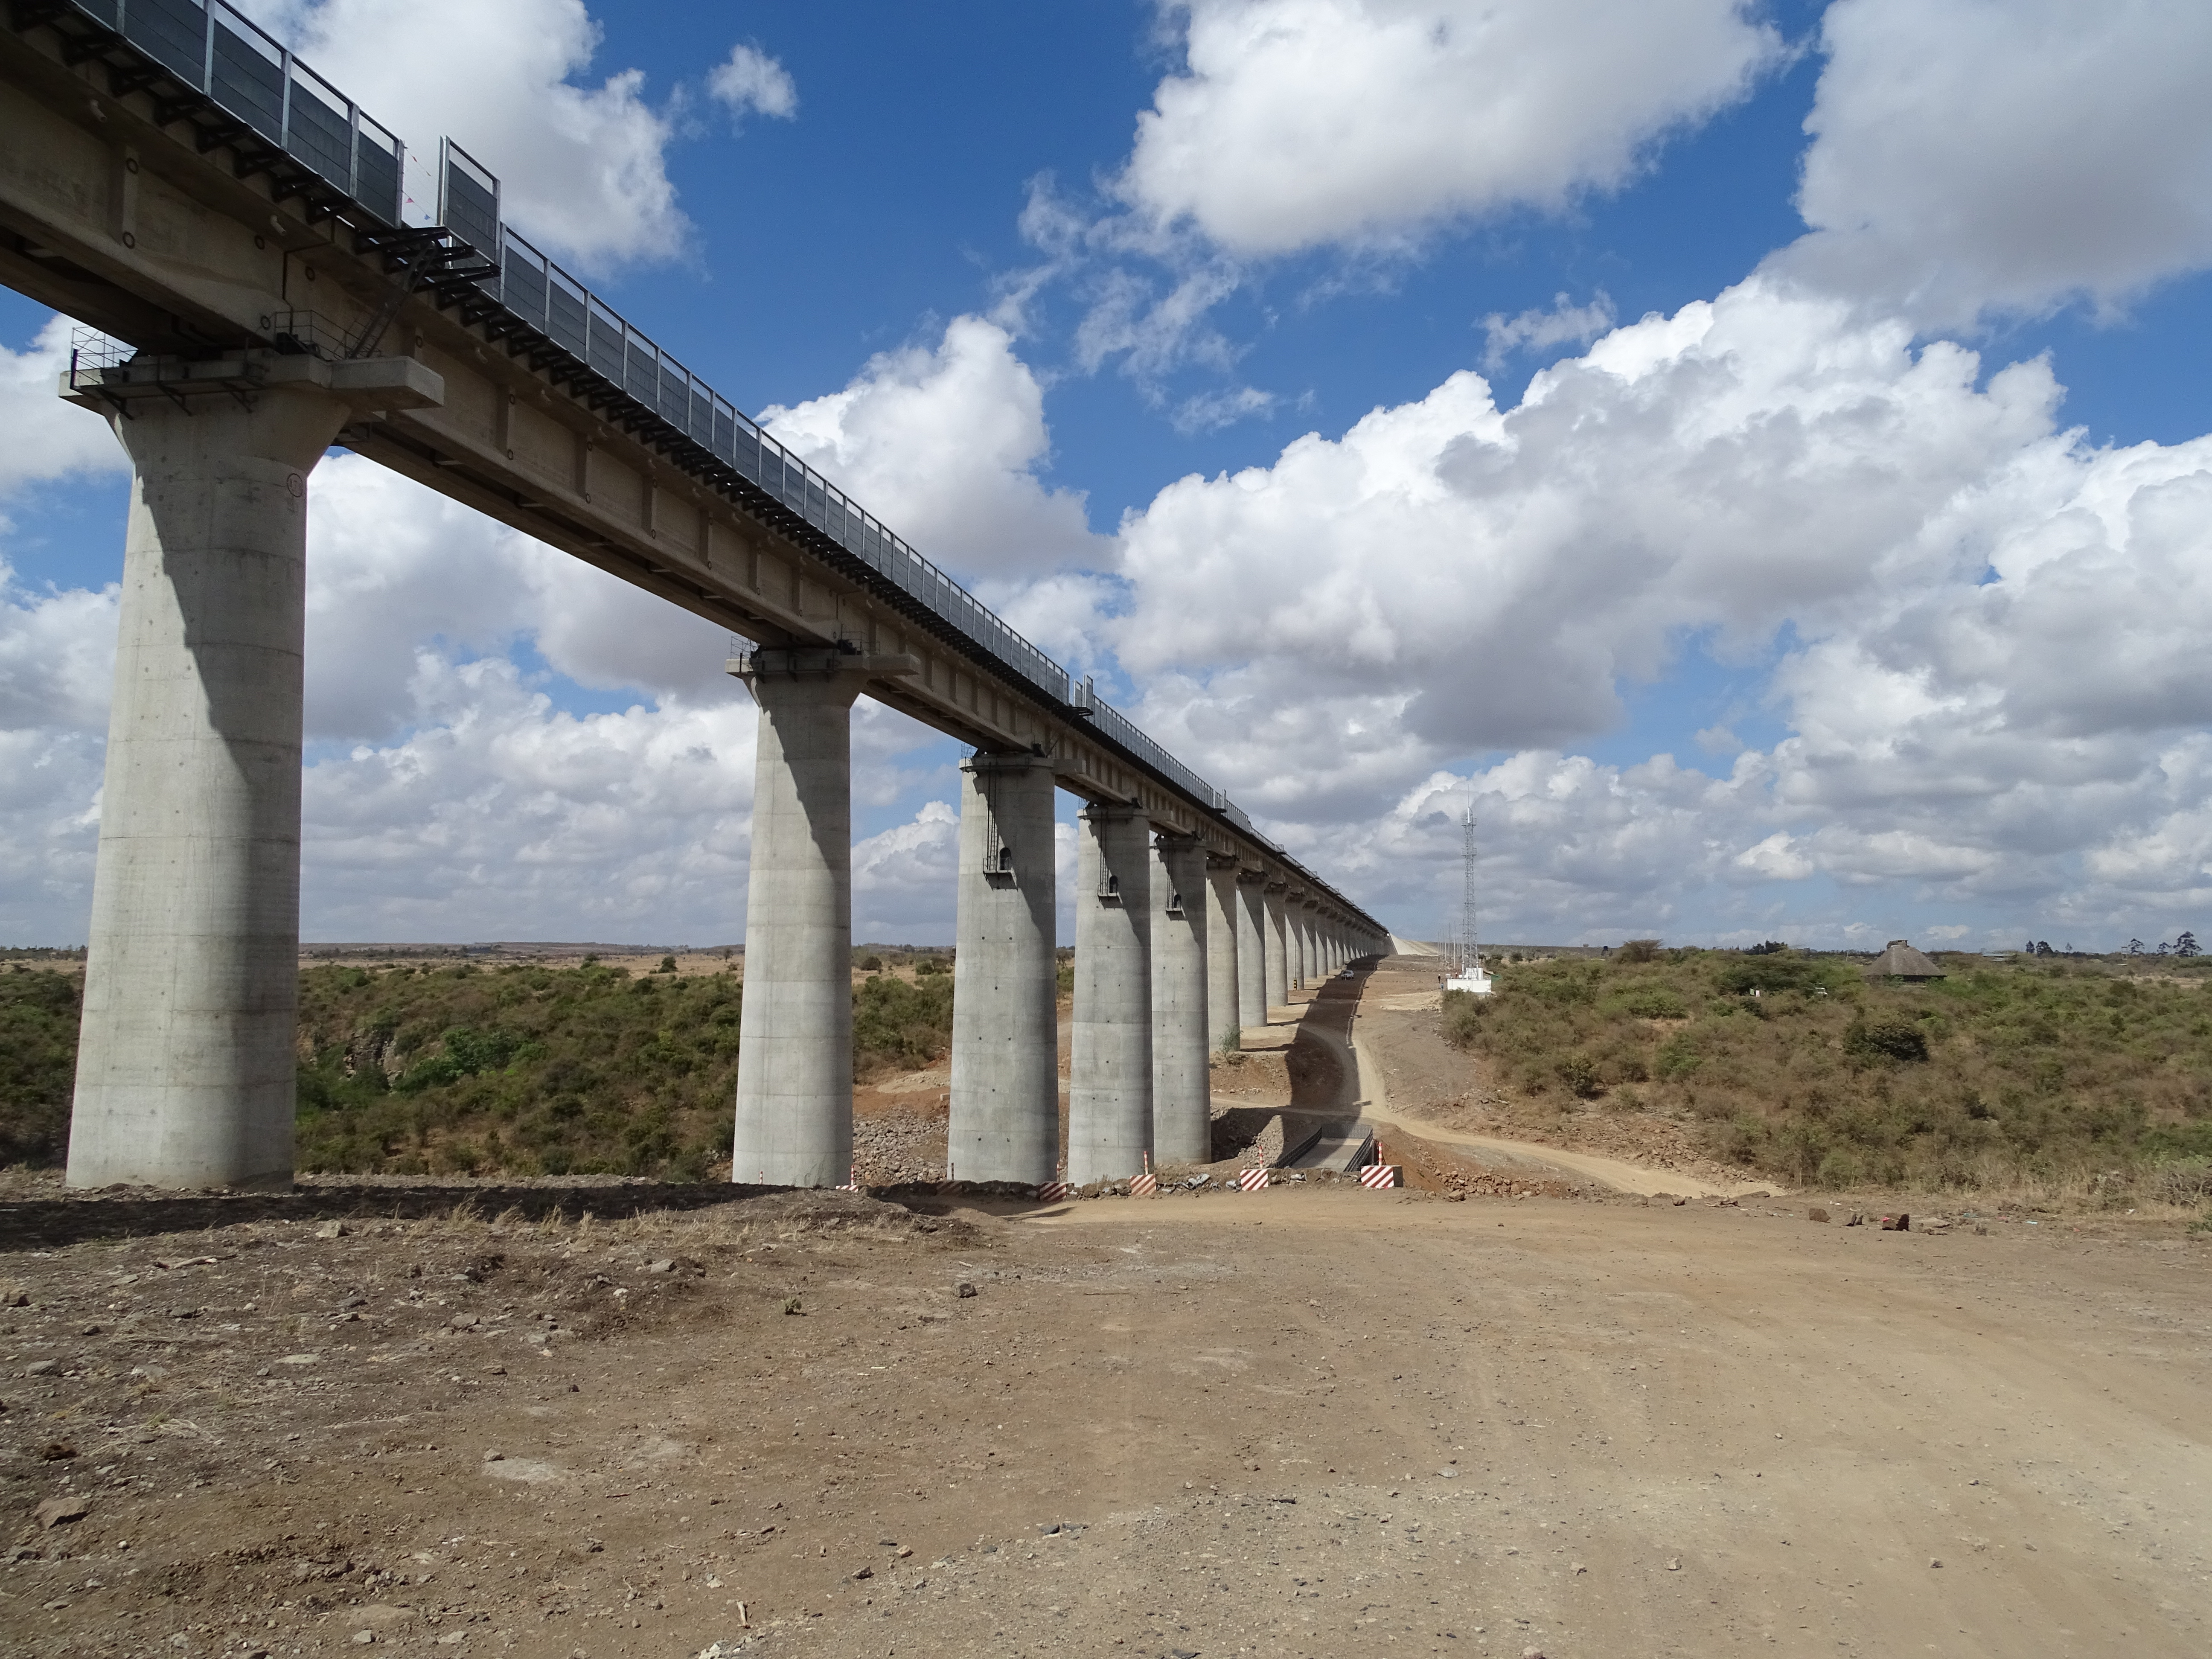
x,y
39,1010
1769,973
1638,949
1993,1070
1579,1073
1897,1039
900,1027
1648,1001
558,1070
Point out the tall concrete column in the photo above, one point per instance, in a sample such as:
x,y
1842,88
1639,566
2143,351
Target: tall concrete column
x,y
1006,1037
794,1109
1273,939
1223,1022
1251,951
184,1072
1109,1097
1182,1101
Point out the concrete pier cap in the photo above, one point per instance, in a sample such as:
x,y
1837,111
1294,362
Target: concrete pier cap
x,y
794,1095
185,1074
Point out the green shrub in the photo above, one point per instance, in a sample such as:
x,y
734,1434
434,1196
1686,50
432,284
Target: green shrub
x,y
1579,1073
558,1071
1897,1039
1823,1079
902,1026
39,1010
1770,974
1650,1000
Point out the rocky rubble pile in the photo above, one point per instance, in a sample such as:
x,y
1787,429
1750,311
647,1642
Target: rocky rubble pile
x,y
894,1149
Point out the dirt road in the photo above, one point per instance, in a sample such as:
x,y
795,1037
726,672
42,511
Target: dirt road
x,y
1358,1078
1410,1076
1297,1422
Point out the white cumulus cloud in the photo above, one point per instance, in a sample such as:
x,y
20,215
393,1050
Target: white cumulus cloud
x,y
499,817
41,437
1969,157
1981,635
1535,330
1746,462
1296,122
749,80
946,446
904,878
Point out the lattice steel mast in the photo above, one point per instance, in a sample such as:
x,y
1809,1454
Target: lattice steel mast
x,y
1469,965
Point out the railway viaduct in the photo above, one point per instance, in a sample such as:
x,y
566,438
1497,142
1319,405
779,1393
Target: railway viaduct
x,y
233,231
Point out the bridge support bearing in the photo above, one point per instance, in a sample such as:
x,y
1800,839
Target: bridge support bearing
x,y
1251,951
184,1072
794,1107
1109,1103
1274,941
1182,1128
1224,1024
1006,1037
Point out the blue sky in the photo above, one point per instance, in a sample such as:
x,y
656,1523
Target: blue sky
x,y
1832,354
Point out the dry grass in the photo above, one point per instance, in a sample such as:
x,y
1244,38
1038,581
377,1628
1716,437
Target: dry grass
x,y
2081,1082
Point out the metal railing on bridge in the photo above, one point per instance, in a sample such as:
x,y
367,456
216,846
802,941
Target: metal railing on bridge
x,y
550,302
278,110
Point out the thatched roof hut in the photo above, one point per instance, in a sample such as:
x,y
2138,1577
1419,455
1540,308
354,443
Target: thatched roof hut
x,y
1901,961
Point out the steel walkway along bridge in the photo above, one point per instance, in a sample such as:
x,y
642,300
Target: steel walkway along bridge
x,y
237,231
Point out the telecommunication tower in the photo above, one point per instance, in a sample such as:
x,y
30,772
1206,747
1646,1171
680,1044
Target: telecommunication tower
x,y
1467,973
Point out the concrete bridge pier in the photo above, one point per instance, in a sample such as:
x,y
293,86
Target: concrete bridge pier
x,y
1182,1099
1273,939
1251,950
185,1073
1110,1100
1006,1037
794,1107
1223,1024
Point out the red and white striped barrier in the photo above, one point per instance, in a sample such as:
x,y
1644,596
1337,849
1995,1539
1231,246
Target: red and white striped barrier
x,y
1379,1174
1054,1192
1144,1186
1251,1181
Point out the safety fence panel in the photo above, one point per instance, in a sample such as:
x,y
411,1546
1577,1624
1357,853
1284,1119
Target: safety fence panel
x,y
219,52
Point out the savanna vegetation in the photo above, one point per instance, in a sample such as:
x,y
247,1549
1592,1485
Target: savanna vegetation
x,y
37,1062
1794,1065
555,1071
519,1069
